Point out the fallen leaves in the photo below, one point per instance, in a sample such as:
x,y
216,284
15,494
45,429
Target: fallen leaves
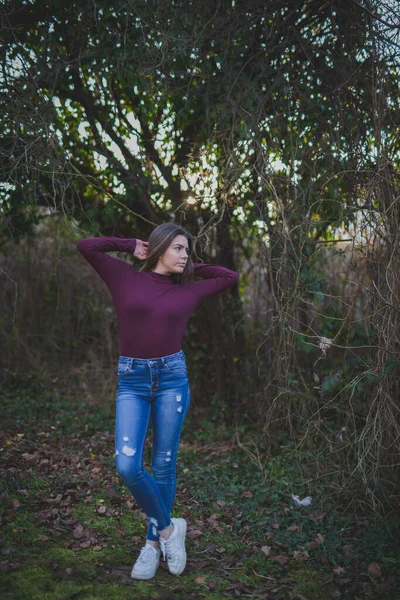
x,y
348,551
316,516
248,494
8,566
85,537
266,550
374,570
194,533
79,531
238,537
301,555
280,559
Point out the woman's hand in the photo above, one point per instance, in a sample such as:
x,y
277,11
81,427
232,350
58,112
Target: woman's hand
x,y
141,249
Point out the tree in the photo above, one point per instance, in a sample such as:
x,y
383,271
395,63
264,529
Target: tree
x,y
258,125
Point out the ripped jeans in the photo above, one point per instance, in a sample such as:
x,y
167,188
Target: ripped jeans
x,y
152,390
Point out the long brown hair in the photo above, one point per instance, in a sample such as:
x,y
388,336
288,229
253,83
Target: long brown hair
x,y
159,240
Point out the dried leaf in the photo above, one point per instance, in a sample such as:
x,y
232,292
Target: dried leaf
x,y
27,456
194,533
374,570
9,566
213,517
78,531
344,580
136,539
301,555
198,563
317,516
311,545
266,550
200,579
280,559
348,551
199,523
293,528
247,494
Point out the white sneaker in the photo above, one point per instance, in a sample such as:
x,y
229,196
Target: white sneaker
x,y
174,547
146,565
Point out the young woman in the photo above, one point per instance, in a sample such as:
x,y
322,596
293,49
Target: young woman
x,y
153,304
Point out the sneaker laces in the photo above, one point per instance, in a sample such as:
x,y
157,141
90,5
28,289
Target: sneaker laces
x,y
163,546
167,545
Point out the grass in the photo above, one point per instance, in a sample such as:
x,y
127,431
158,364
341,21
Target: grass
x,y
71,529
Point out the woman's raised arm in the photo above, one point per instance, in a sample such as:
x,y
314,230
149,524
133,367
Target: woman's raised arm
x,y
109,268
215,279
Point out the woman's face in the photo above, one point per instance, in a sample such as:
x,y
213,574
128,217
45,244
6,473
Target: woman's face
x,y
175,257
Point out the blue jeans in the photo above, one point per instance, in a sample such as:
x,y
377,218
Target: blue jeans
x,y
152,390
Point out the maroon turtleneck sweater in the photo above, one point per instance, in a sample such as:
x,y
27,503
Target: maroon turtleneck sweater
x,y
152,310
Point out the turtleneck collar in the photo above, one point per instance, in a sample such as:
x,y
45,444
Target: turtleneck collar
x,y
160,277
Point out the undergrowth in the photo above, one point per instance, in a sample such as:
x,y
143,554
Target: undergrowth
x,y
71,529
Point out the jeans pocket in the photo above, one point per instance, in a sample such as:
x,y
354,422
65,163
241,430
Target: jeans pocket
x,y
124,366
175,366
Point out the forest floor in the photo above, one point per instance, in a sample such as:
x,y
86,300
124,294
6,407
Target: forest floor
x,y
72,531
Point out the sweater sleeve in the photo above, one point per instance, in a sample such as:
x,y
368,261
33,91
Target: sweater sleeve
x,y
109,268
215,280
